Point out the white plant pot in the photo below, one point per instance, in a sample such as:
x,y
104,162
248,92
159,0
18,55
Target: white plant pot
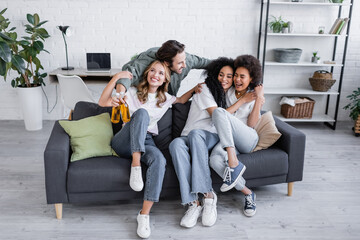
x,y
30,100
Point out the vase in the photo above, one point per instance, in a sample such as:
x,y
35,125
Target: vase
x,y
30,99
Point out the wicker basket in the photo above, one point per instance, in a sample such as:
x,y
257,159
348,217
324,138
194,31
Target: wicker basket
x,y
357,127
301,110
321,81
287,55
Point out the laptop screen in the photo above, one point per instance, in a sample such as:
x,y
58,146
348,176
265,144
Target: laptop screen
x,y
98,61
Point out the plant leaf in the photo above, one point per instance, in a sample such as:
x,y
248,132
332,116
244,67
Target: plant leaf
x,y
2,68
5,52
30,18
41,23
18,63
2,11
36,19
38,45
5,37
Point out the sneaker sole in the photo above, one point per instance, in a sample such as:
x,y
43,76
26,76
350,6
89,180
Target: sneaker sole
x,y
235,182
250,214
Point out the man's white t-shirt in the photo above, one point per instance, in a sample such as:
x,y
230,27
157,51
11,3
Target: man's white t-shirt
x,y
198,117
244,110
155,112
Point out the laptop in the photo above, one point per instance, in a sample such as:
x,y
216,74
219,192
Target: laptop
x,y
98,62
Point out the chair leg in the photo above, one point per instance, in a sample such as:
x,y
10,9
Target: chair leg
x,y
58,210
70,115
290,188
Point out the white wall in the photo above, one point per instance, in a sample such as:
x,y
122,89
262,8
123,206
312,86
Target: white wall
x,y
208,28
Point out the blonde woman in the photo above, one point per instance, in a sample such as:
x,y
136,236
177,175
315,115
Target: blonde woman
x,y
147,104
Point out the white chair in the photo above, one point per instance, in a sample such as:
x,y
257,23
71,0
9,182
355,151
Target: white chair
x,y
73,90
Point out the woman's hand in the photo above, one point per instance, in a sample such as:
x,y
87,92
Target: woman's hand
x,y
248,97
116,101
259,91
198,88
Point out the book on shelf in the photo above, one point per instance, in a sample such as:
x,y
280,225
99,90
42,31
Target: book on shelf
x,y
339,26
345,20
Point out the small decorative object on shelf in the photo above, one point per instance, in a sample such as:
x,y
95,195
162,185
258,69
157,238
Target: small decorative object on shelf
x,y
285,27
276,24
296,0
321,81
336,1
290,26
287,55
315,58
303,108
321,30
354,107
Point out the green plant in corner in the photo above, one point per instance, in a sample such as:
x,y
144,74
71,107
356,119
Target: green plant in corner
x,y
354,105
276,24
21,55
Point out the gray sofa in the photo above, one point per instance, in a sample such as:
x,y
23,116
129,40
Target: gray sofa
x,y
107,178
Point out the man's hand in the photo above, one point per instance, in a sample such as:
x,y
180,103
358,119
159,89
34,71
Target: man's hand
x,y
123,74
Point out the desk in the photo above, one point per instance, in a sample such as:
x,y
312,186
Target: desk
x,y
84,74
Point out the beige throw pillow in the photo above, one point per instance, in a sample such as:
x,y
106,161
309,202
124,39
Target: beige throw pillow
x,y
267,131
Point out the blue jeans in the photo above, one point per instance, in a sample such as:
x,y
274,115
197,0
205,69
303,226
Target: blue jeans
x,y
190,156
141,141
232,133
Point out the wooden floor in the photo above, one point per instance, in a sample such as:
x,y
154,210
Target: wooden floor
x,y
325,205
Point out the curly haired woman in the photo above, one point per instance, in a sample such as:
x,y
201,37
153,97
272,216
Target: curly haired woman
x,y
235,127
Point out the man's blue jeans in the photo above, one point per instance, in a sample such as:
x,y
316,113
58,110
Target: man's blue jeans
x,y
190,156
133,137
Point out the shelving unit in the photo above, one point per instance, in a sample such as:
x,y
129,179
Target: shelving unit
x,y
297,83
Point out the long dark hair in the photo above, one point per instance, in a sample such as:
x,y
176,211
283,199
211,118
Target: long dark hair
x,y
212,82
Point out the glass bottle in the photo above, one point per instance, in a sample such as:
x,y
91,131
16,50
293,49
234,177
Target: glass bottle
x,y
122,110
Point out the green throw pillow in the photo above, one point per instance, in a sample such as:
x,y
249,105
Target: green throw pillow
x,y
89,137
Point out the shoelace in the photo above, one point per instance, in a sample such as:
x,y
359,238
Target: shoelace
x,y
227,174
249,201
191,207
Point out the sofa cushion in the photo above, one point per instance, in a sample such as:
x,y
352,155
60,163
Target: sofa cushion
x,y
164,138
267,131
100,174
87,109
180,114
265,163
89,137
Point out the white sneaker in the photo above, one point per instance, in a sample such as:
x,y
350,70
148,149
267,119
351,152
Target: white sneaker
x,y
209,214
191,216
136,181
143,229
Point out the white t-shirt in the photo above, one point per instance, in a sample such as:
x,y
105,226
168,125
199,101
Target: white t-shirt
x,y
244,110
155,112
198,117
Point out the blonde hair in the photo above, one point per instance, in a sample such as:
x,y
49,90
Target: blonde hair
x,y
143,86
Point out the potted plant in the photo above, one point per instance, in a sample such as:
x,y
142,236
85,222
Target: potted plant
x,y
276,24
21,56
315,58
354,107
285,27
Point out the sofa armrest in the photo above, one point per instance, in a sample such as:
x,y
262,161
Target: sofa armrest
x,y
292,141
56,161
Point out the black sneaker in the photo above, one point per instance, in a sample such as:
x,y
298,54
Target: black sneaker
x,y
250,205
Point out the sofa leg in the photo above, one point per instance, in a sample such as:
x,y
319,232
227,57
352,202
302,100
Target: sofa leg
x,y
290,188
58,210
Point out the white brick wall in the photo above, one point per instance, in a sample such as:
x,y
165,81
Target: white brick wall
x,y
208,28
